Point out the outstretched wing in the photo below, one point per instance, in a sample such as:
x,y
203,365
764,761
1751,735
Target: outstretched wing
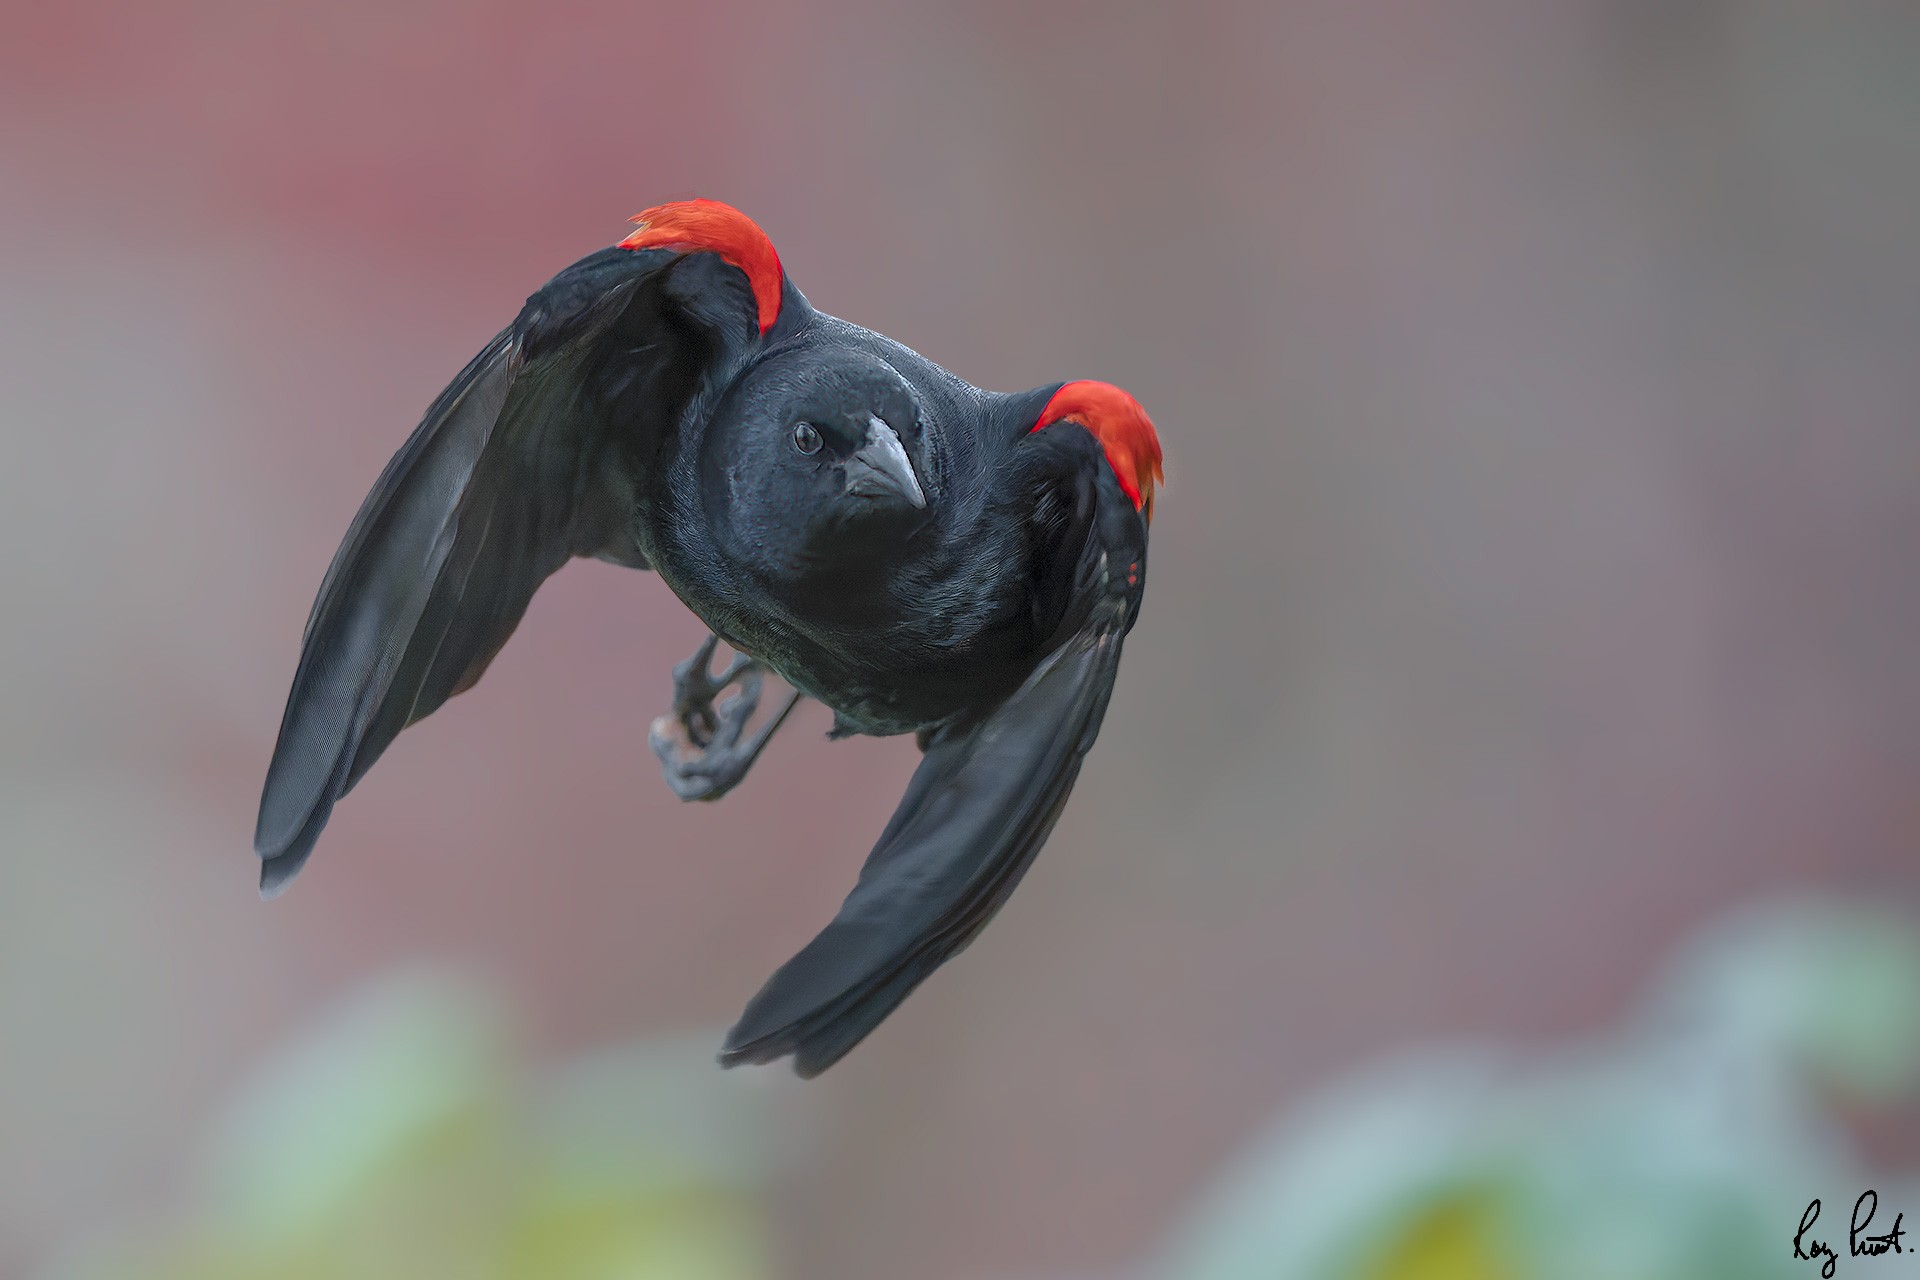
x,y
986,795
530,457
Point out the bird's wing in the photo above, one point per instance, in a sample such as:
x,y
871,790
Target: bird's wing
x,y
530,457
986,795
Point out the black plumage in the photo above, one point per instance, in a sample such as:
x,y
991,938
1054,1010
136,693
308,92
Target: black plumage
x,y
920,555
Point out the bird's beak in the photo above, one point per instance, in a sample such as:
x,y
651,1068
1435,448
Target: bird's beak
x,y
880,468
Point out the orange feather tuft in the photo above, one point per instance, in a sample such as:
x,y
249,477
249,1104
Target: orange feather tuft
x,y
694,226
1123,429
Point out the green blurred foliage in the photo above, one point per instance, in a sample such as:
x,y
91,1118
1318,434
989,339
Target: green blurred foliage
x,y
1684,1146
402,1139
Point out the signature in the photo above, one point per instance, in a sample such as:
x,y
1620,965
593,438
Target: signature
x,y
1808,1247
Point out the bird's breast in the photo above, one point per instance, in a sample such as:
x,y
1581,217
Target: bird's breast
x,y
896,642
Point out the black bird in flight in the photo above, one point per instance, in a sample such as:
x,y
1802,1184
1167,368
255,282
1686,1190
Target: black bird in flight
x,y
921,555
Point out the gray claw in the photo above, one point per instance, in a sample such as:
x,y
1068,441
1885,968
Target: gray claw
x,y
700,744
695,688
707,773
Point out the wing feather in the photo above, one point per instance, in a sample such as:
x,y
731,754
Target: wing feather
x,y
981,804
523,462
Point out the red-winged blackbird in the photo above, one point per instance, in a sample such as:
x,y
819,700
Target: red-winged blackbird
x,y
918,554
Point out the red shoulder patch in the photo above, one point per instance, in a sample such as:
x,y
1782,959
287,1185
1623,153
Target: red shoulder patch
x,y
1123,429
696,226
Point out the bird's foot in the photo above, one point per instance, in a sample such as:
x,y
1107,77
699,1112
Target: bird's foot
x,y
703,745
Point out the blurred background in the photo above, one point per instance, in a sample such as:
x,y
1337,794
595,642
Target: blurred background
x,y
1534,593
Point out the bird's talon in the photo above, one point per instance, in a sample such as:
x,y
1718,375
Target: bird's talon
x,y
703,744
695,689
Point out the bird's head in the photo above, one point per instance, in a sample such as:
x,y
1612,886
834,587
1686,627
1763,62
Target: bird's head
x,y
821,464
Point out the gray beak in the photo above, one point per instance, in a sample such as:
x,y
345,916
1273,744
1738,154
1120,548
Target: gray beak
x,y
879,468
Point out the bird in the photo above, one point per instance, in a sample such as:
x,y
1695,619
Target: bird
x,y
918,554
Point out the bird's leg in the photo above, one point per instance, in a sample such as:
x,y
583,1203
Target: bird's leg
x,y
695,688
701,747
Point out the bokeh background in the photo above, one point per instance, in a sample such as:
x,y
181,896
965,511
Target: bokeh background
x,y
1536,583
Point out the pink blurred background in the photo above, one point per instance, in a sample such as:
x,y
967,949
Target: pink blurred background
x,y
1536,575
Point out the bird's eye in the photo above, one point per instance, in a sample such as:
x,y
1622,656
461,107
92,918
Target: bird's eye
x,y
806,439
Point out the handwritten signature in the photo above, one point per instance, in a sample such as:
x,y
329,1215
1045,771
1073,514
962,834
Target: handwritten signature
x,y
1809,1248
